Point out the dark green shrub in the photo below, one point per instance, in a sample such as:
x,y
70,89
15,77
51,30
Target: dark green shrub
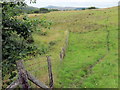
x,y
13,74
92,8
52,43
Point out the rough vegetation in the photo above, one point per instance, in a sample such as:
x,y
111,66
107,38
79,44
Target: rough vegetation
x,y
92,55
91,59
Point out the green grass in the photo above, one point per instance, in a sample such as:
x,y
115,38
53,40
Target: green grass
x,y
83,51
104,74
88,43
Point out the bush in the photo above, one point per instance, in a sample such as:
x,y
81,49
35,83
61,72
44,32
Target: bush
x,y
17,37
43,33
37,11
53,10
92,8
44,10
43,49
30,40
52,43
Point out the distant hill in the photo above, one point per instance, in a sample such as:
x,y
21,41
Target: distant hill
x,y
80,8
29,8
64,8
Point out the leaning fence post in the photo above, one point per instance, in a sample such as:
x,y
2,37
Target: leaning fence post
x,y
36,82
22,75
13,85
50,72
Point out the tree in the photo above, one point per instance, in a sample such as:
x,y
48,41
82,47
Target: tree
x,y
36,11
83,8
92,8
16,36
44,10
53,10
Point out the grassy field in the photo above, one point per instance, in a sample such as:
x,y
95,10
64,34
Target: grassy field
x,y
92,55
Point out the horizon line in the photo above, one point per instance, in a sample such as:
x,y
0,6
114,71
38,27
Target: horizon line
x,y
73,6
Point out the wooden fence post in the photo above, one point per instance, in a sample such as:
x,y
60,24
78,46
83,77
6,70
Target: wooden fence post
x,y
36,82
66,42
22,75
63,50
60,56
50,72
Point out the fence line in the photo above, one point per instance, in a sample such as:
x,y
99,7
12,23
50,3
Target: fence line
x,y
24,76
28,66
50,72
37,82
63,50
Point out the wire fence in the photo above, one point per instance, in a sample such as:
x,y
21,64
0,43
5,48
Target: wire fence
x,y
33,64
34,75
41,69
38,68
64,48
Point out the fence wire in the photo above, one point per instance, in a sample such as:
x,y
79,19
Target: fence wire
x,y
36,63
38,69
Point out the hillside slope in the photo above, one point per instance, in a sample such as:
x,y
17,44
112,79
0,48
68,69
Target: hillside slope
x,y
92,55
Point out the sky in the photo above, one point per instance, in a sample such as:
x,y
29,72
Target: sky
x,y
75,3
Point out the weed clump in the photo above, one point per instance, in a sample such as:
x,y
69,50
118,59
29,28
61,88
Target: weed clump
x,y
52,43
